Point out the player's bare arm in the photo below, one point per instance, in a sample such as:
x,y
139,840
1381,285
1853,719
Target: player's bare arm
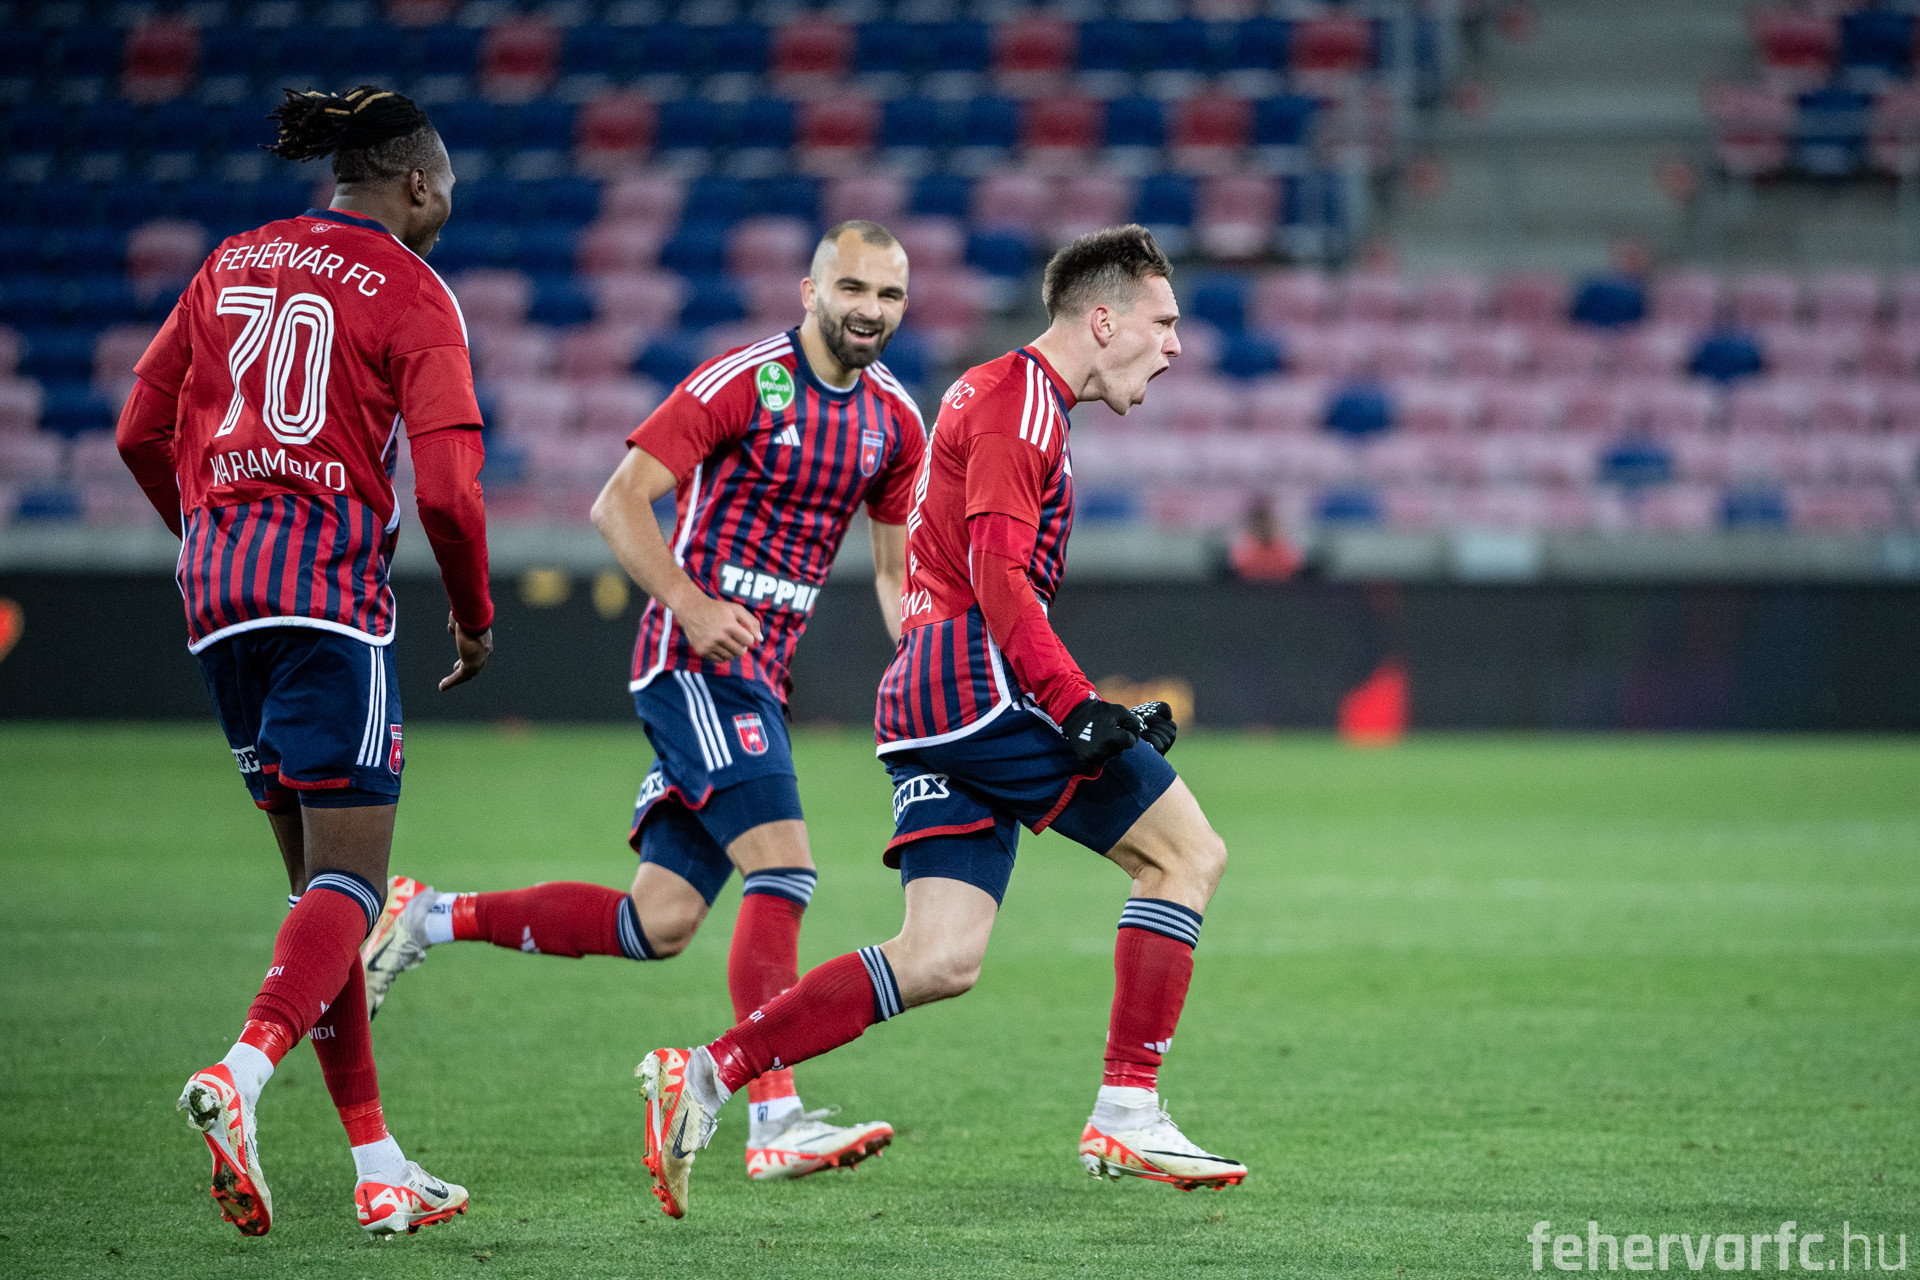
x,y
889,572
719,630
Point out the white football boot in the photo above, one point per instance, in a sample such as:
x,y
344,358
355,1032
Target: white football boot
x,y
417,1200
216,1107
398,940
803,1143
1143,1142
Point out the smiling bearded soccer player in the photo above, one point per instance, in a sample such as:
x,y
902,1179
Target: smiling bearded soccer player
x,y
264,426
986,723
772,448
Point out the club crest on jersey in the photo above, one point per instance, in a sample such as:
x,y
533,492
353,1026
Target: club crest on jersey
x,y
774,384
871,445
752,734
394,756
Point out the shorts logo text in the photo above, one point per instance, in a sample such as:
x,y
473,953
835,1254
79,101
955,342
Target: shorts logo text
x,y
922,786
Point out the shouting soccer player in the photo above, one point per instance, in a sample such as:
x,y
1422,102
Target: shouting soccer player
x,y
985,723
264,426
771,447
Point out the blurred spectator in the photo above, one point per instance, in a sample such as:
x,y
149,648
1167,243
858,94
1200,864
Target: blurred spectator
x,y
1260,553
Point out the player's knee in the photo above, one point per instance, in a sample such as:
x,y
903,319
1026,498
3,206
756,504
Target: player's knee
x,y
1210,860
669,926
950,976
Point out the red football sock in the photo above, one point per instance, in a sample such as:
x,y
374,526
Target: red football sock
x,y
317,947
1151,972
830,1006
343,1042
764,961
563,918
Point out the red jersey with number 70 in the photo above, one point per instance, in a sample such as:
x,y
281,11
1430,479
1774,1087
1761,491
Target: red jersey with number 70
x,y
999,445
298,354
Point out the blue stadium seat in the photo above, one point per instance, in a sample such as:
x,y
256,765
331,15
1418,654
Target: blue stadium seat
x,y
1165,200
1359,409
36,128
247,128
914,122
470,242
942,195
108,126
1726,355
595,50
208,202
53,503
792,195
63,203
558,299
488,200
469,125
686,124
697,249
54,355
764,124
1251,355
1348,506
1831,135
1259,44
1182,45
668,358
1283,121
1879,42
895,48
21,54
999,254
1635,463
718,198
1104,504
962,45
446,50
738,48
1312,199
991,122
373,54
1608,302
19,244
89,51
28,299
908,358
99,300
83,249
1753,508
74,408
265,201
1135,122
572,200
302,57
665,50
231,51
543,125
712,300
182,124
1220,301
1112,45
545,247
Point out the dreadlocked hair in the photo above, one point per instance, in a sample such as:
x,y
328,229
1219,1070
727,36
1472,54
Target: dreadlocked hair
x,y
371,133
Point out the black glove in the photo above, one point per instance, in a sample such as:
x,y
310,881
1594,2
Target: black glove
x,y
1099,731
1158,727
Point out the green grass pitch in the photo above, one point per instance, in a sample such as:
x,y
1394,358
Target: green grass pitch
x,y
1446,991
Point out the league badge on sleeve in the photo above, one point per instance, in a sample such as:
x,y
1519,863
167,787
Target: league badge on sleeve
x,y
872,444
752,734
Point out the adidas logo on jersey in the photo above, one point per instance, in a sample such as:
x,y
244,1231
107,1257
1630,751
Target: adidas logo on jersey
x,y
789,435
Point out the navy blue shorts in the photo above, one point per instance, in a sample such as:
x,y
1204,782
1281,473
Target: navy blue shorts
x,y
958,806
310,713
722,765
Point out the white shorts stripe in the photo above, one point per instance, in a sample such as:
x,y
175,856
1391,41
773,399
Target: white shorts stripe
x,y
713,718
697,718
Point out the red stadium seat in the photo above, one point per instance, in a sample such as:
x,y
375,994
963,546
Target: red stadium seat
x,y
835,134
1329,352
95,457
1857,509
1603,408
1491,351
115,352
1329,51
30,457
1523,407
508,353
1894,130
166,249
1900,406
1412,351
1438,408
648,299
1676,508
1033,53
1765,406
595,353
1796,48
1568,352
1891,353
1795,351
162,55
1291,405
20,403
519,59
773,301
1875,459
810,55
654,198
1378,296
1533,298
1058,133
1016,200
1400,457
770,243
948,309
1450,297
419,13
1688,299
1089,201
614,133
611,410
1752,125
1763,298
877,197
9,351
491,297
531,406
1655,350
1679,408
1236,216
1286,298
1844,407
1417,508
1210,133
619,246
933,244
1849,298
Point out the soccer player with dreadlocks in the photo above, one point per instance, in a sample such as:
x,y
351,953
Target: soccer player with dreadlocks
x,y
264,426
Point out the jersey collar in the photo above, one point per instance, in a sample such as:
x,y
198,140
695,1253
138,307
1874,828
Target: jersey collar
x,y
349,219
805,370
1064,396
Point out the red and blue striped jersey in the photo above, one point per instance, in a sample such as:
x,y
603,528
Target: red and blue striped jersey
x,y
297,355
771,463
998,445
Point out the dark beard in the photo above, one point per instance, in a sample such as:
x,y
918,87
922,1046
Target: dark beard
x,y
849,356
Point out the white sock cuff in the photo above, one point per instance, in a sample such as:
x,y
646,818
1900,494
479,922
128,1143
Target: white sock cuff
x,y
440,919
250,1069
380,1161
